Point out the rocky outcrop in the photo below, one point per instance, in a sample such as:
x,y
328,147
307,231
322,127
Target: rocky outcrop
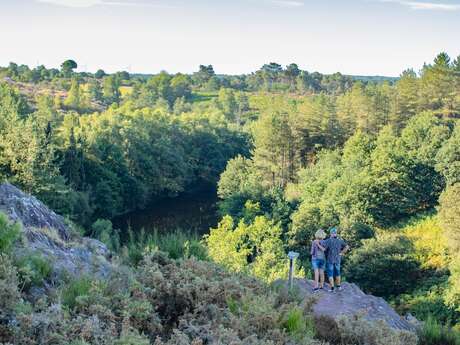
x,y
350,302
47,233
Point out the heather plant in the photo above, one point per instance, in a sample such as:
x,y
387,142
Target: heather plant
x,y
9,293
356,330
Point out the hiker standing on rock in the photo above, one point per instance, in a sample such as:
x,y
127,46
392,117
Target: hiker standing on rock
x,y
318,259
335,248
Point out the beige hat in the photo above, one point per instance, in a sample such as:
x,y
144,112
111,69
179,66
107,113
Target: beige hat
x,y
320,234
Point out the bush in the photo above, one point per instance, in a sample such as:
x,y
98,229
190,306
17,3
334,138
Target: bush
x,y
75,289
9,233
429,241
433,333
33,269
384,266
356,330
296,324
254,248
424,304
103,231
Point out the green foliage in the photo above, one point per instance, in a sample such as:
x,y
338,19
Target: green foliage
x,y
383,266
254,248
429,241
34,270
448,158
426,304
9,233
452,295
433,333
67,67
449,215
74,290
297,325
177,244
103,231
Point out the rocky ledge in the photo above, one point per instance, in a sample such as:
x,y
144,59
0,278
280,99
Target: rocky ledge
x,y
48,234
350,302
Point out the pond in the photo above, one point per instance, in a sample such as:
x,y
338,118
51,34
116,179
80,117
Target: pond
x,y
191,212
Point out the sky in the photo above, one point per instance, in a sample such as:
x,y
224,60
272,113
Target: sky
x,y
360,37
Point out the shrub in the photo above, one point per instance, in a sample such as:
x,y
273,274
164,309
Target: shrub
x,y
254,248
9,233
429,241
103,231
75,289
296,324
33,269
383,266
356,330
425,303
433,333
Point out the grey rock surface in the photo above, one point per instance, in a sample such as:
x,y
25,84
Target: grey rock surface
x,y
349,302
48,234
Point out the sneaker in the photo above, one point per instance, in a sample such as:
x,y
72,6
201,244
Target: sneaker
x,y
331,289
339,287
315,290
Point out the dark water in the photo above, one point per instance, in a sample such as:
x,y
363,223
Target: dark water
x,y
195,213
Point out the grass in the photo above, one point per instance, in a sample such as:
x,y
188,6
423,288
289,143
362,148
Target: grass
x,y
177,244
74,289
433,333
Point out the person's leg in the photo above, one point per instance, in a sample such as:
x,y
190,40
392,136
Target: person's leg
x,y
316,278
337,276
321,278
330,275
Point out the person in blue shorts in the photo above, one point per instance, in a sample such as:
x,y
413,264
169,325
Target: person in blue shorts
x,y
335,248
318,259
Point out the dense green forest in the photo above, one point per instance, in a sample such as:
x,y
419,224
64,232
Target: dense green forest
x,y
288,151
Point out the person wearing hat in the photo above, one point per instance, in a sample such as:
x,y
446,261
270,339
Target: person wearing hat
x,y
335,248
318,259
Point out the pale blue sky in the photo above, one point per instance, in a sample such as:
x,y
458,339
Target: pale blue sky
x,y
354,37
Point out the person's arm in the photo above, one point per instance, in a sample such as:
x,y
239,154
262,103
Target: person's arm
x,y
345,249
321,245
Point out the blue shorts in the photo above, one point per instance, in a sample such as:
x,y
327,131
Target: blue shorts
x,y
318,264
333,270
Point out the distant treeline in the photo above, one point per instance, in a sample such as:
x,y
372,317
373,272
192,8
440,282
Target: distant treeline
x,y
270,77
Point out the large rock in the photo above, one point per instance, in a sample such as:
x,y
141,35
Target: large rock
x,y
48,234
349,302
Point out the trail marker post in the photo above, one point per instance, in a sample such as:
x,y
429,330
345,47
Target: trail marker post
x,y
292,256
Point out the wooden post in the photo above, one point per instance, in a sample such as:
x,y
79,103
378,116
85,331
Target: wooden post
x,y
292,256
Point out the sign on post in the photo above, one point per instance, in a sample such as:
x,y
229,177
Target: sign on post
x,y
292,256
